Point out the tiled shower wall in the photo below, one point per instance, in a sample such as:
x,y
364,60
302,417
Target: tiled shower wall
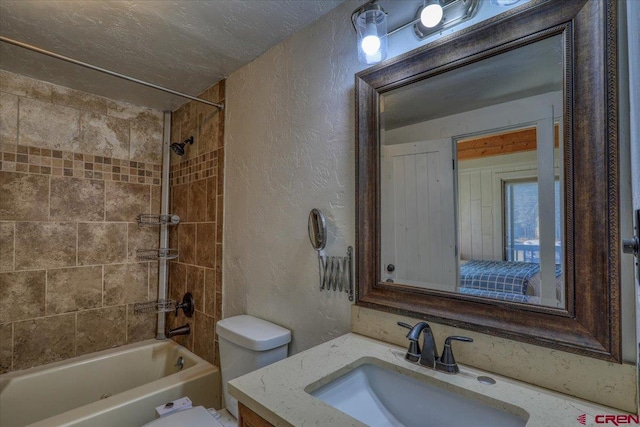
x,y
196,196
75,171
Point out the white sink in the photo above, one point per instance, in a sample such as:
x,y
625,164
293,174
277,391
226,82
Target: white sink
x,y
381,397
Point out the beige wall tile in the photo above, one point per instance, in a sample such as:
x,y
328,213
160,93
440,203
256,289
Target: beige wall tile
x,y
177,281
72,289
46,125
203,336
79,100
24,86
209,118
153,281
125,201
187,243
146,138
206,245
21,295
195,285
25,197
43,340
74,199
6,347
125,283
102,243
101,329
156,199
45,245
180,200
8,118
219,217
6,246
140,326
197,201
104,135
212,186
214,93
141,238
123,110
174,237
210,292
189,128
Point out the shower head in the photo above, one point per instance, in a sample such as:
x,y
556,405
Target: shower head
x,y
178,147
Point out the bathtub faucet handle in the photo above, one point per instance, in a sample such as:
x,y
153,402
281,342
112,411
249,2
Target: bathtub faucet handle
x,y
187,305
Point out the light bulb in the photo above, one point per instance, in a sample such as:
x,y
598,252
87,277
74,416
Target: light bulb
x,y
370,44
371,26
431,15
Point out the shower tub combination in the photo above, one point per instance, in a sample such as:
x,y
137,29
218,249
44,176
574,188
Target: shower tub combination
x,y
120,386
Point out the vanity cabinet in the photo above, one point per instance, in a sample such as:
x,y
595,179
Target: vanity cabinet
x,y
248,418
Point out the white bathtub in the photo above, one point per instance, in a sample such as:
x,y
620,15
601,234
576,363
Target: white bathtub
x,y
136,378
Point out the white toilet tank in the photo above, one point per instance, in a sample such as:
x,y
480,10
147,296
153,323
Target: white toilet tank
x,y
247,343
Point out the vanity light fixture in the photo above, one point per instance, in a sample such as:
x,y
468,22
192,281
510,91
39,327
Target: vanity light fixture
x,y
370,22
431,13
431,17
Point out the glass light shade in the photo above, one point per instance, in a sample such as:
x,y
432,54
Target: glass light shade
x,y
431,14
371,26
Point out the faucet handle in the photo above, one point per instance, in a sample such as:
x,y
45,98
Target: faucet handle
x,y
405,325
413,352
447,362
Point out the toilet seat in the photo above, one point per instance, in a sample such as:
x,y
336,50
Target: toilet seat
x,y
193,417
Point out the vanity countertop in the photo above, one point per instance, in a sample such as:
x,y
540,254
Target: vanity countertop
x,y
279,392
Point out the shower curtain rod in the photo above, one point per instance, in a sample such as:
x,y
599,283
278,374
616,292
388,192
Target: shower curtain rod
x,y
111,73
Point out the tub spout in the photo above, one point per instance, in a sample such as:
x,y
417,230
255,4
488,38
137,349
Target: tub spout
x,y
181,330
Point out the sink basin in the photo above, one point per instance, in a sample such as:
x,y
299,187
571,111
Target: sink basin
x,y
378,396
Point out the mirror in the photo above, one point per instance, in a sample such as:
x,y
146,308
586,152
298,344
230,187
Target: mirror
x,y
465,180
497,147
317,227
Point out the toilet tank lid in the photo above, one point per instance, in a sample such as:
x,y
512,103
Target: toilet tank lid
x,y
253,333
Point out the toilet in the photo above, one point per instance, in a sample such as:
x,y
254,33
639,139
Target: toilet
x,y
246,344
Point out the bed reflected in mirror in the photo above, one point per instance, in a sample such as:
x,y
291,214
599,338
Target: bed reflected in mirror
x,y
471,179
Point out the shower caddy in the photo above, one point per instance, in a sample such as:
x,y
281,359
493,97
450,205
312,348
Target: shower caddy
x,y
161,306
159,253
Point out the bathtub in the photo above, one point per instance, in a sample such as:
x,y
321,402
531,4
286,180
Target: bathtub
x,y
116,387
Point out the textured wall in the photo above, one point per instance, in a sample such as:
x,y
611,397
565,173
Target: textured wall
x,y
75,171
290,148
196,182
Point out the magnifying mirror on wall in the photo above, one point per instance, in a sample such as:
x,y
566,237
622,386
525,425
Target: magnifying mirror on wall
x,y
317,229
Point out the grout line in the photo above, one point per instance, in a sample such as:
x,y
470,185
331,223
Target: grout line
x,y
46,289
103,289
18,124
49,198
15,230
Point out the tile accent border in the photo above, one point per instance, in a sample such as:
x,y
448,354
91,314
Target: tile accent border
x,y
43,161
203,166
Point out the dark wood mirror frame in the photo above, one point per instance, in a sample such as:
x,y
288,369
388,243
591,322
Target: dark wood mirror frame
x,y
590,324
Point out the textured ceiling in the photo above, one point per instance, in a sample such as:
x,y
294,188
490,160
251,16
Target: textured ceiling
x,y
183,45
530,70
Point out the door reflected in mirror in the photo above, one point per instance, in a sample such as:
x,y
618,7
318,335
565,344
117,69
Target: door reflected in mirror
x,y
472,178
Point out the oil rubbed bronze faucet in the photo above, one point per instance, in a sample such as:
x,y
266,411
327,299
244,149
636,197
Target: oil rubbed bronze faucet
x,y
181,330
428,356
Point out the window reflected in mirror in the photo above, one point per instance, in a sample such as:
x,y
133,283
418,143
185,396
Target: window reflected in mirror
x,y
472,179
